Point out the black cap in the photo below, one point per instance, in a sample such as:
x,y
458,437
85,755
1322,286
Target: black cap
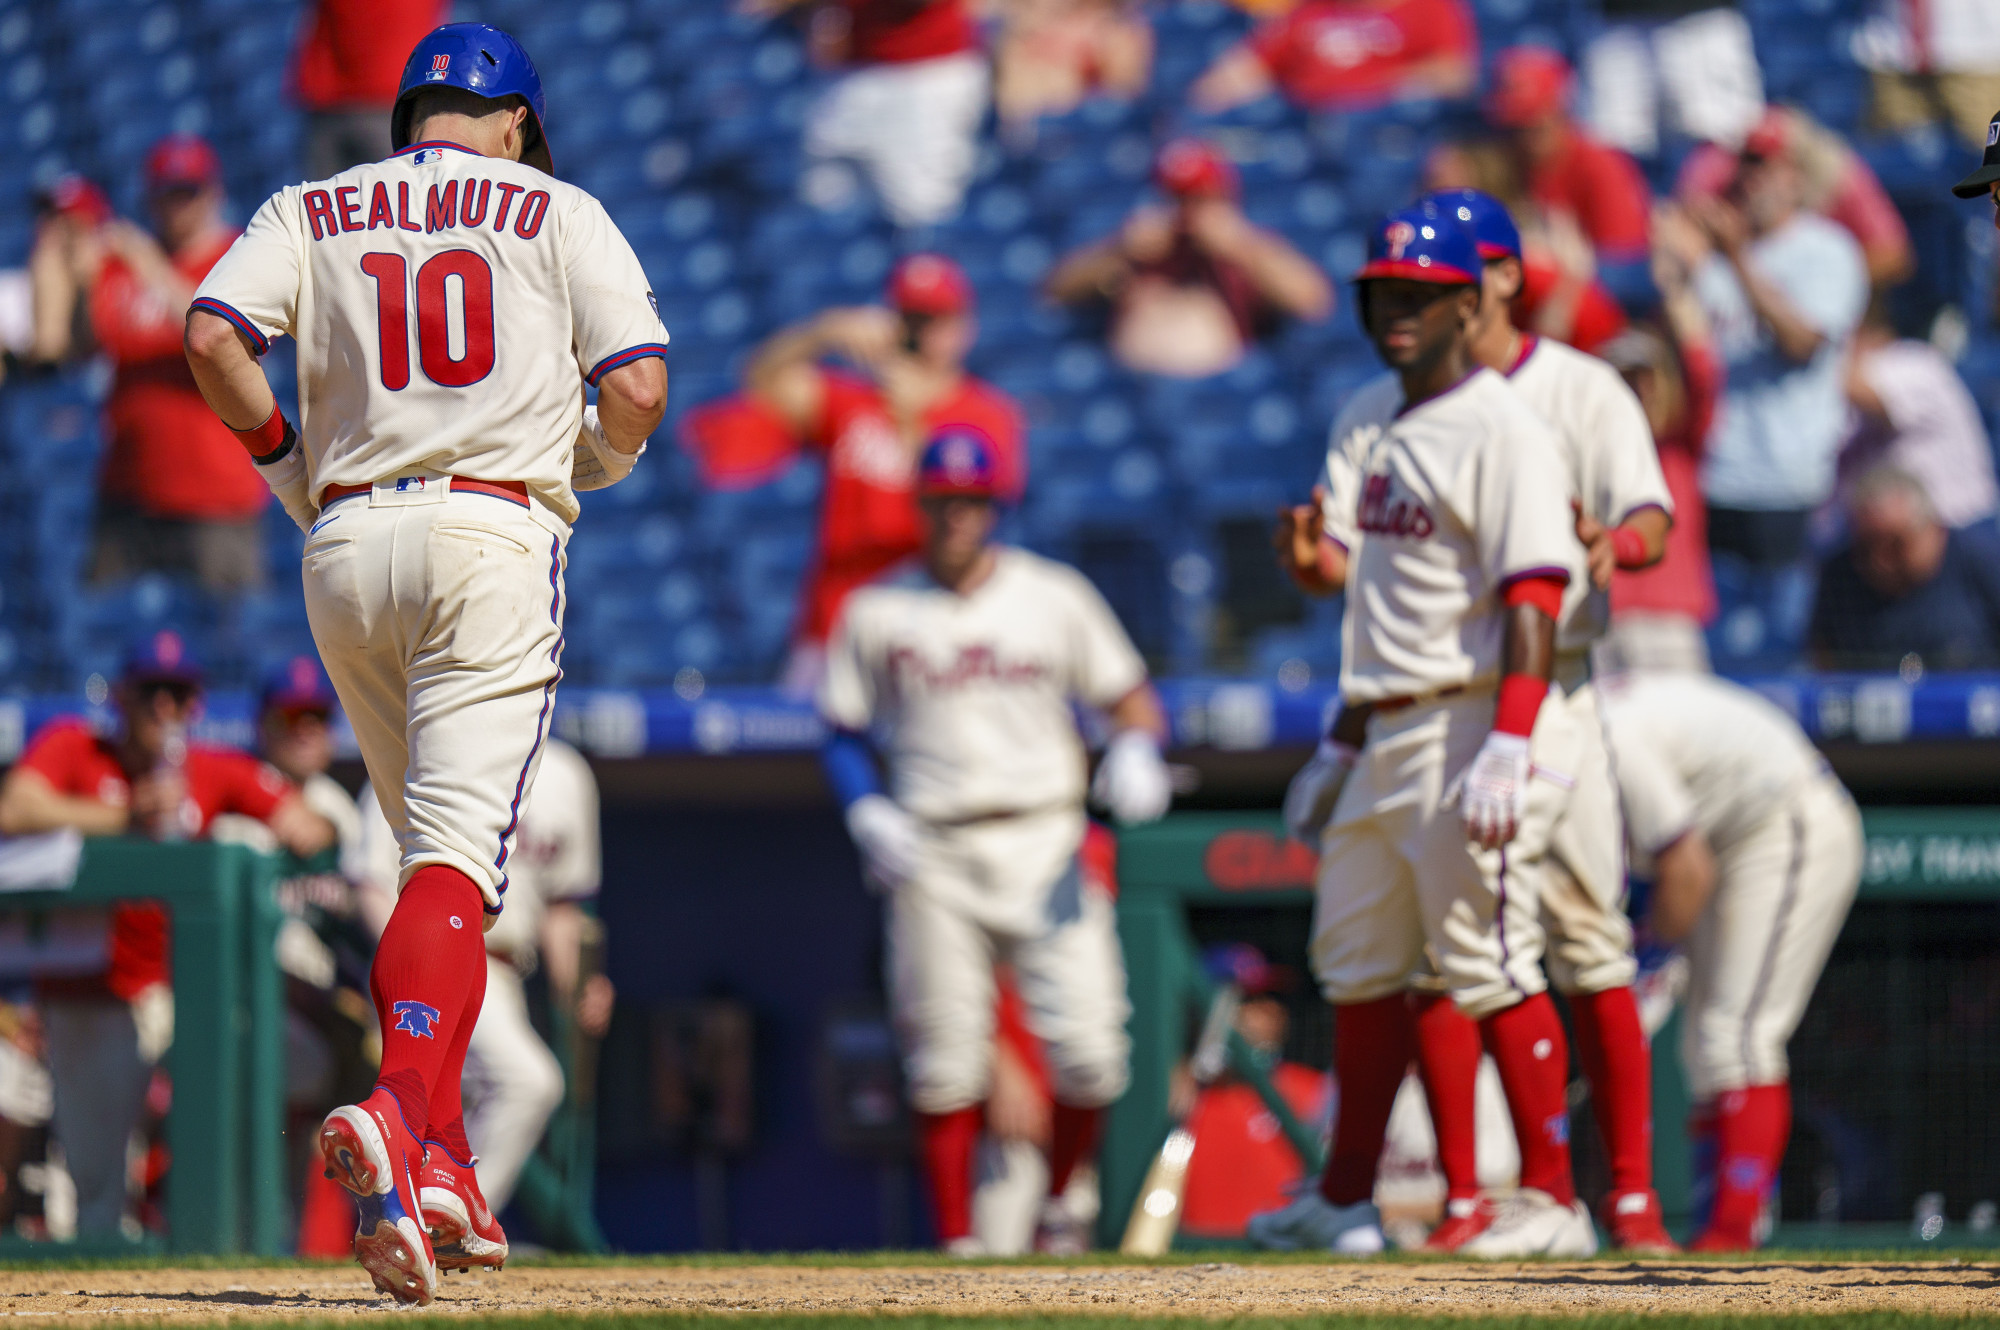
x,y
1980,181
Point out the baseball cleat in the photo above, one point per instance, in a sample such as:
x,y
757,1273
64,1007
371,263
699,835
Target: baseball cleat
x,y
1465,1218
368,1150
1632,1221
1313,1223
464,1231
1533,1223
1059,1232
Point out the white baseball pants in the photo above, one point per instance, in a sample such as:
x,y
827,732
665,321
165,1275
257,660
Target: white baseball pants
x,y
1008,890
913,127
1781,896
1583,889
1396,872
512,1084
439,619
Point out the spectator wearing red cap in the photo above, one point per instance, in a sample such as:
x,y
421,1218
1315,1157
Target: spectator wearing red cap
x,y
908,109
1569,172
1192,286
1683,65
1346,55
345,75
177,493
1051,54
905,381
146,779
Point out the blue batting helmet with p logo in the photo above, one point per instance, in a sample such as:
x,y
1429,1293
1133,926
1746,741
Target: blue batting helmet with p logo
x,y
1492,226
484,61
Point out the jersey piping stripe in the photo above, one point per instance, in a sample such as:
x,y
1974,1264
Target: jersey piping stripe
x,y
541,722
625,357
1500,927
1638,508
243,325
1549,571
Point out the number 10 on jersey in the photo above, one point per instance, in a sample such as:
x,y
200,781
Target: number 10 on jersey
x,y
439,333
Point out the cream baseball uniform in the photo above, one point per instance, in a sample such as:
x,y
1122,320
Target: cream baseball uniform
x,y
969,698
449,309
1446,504
512,1081
1695,752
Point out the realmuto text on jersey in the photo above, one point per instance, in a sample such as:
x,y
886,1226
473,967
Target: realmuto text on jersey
x,y
451,205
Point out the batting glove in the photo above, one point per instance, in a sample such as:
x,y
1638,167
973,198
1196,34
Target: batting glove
x,y
1492,793
888,839
595,464
1133,784
288,480
1310,798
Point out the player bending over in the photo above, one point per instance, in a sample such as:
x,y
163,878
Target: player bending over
x,y
1754,849
961,669
1456,564
1623,511
449,304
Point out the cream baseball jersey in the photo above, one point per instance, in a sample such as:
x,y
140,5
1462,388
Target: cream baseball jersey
x,y
1608,443
445,306
1441,506
970,696
1694,751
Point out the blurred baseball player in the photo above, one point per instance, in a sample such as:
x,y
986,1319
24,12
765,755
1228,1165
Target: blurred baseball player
x,y
1754,849
1984,180
1454,512
962,670
512,1081
1623,511
450,304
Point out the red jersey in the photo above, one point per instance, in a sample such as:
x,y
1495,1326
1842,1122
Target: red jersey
x,y
1345,54
869,521
1602,188
887,32
74,759
169,455
1598,317
1242,1162
354,51
1681,583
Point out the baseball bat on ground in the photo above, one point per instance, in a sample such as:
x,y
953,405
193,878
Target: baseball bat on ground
x,y
1156,1215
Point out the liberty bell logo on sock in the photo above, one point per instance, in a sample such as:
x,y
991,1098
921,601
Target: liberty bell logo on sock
x,y
417,1018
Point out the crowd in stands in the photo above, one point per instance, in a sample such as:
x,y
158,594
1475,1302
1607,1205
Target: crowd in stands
x,y
1119,230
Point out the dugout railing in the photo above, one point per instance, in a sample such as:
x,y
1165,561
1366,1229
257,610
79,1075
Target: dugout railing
x,y
1890,1070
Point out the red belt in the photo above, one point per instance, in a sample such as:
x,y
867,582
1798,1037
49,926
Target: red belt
x,y
513,491
1389,704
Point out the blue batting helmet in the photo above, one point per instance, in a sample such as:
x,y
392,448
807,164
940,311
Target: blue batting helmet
x,y
959,462
482,60
1424,243
1492,226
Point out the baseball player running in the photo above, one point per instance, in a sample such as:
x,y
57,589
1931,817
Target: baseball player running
x,y
1457,560
961,670
450,303
1754,849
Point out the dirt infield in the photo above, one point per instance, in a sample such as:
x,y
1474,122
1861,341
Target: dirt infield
x,y
1222,1289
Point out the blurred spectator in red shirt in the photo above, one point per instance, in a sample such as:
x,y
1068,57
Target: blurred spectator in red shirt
x,y
1051,54
908,109
907,381
54,326
177,492
1566,171
1349,55
1932,61
1685,65
1658,613
346,73
1191,287
105,1030
1838,185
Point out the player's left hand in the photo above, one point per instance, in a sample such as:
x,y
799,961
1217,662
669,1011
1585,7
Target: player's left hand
x,y
1492,793
1133,783
1598,553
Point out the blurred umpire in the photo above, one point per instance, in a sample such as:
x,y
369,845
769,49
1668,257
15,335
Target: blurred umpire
x,y
1986,180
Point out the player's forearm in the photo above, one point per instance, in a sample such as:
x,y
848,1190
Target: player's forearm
x,y
227,372
29,805
631,400
1141,710
1685,880
1527,655
1640,541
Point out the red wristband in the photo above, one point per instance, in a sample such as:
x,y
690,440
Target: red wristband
x,y
1629,548
1520,701
264,439
1544,591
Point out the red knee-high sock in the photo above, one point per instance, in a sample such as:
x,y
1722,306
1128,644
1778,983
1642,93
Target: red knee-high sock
x,y
1527,1043
1751,1128
447,1125
1072,1138
428,980
1612,1045
946,1142
1448,1056
1373,1043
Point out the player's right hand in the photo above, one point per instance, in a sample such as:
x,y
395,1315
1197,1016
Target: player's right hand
x,y
1310,798
1492,793
888,839
1297,540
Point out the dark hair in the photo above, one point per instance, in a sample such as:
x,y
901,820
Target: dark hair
x,y
456,101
